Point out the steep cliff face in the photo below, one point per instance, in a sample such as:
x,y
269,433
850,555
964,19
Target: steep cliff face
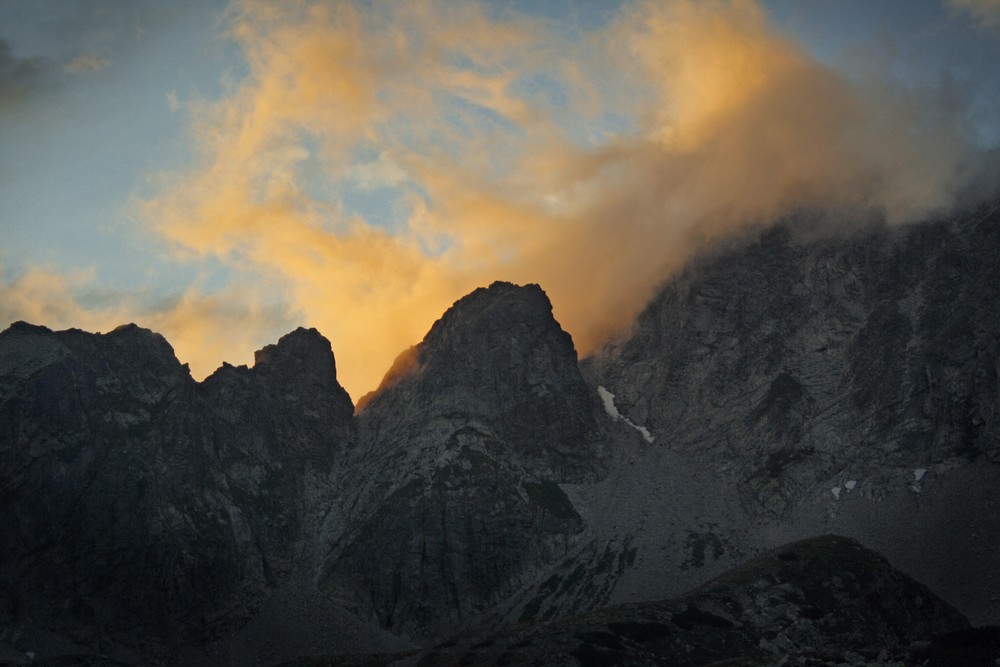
x,y
457,498
792,356
838,382
142,510
499,356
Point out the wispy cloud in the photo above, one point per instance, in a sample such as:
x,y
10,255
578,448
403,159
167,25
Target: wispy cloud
x,y
732,123
85,63
203,328
594,165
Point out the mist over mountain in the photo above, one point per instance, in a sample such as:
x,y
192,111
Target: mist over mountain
x,y
500,499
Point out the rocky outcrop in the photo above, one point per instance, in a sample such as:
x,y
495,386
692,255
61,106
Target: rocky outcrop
x,y
497,356
458,499
143,512
814,381
791,355
171,510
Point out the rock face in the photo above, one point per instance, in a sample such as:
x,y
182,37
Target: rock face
x,y
458,499
499,357
143,512
794,355
159,514
792,384
844,382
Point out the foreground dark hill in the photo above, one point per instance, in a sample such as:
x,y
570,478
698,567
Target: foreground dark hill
x,y
794,383
826,592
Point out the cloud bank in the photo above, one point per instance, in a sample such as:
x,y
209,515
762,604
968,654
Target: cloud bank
x,y
378,161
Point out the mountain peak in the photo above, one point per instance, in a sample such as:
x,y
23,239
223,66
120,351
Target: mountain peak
x,y
501,291
129,349
302,363
504,319
489,317
497,353
304,350
148,341
25,327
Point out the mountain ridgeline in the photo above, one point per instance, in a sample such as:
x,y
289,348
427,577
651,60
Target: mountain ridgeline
x,y
794,383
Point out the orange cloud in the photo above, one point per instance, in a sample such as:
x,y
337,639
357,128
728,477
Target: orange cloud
x,y
711,59
494,175
204,329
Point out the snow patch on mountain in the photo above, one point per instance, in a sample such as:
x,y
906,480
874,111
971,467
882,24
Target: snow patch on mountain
x,y
608,399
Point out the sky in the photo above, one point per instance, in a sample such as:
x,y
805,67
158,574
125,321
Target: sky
x,y
222,172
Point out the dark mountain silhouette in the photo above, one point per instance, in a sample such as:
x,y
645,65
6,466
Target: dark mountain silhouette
x,y
502,500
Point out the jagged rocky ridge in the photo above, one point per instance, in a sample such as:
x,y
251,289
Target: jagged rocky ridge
x,y
140,504
794,383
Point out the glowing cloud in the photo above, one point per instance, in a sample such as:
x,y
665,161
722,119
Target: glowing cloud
x,y
733,124
495,147
202,328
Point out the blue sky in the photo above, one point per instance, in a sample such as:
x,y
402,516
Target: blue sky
x,y
224,171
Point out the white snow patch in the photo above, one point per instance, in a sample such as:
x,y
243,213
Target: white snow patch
x,y
850,484
647,436
608,399
919,473
609,403
836,492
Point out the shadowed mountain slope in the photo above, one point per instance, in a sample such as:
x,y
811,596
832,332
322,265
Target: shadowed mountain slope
x,y
792,383
818,382
825,592
457,500
143,511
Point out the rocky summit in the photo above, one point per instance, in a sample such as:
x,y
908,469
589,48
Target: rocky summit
x,y
456,501
497,500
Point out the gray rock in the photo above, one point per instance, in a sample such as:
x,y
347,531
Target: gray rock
x,y
457,499
789,384
147,512
844,382
828,592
